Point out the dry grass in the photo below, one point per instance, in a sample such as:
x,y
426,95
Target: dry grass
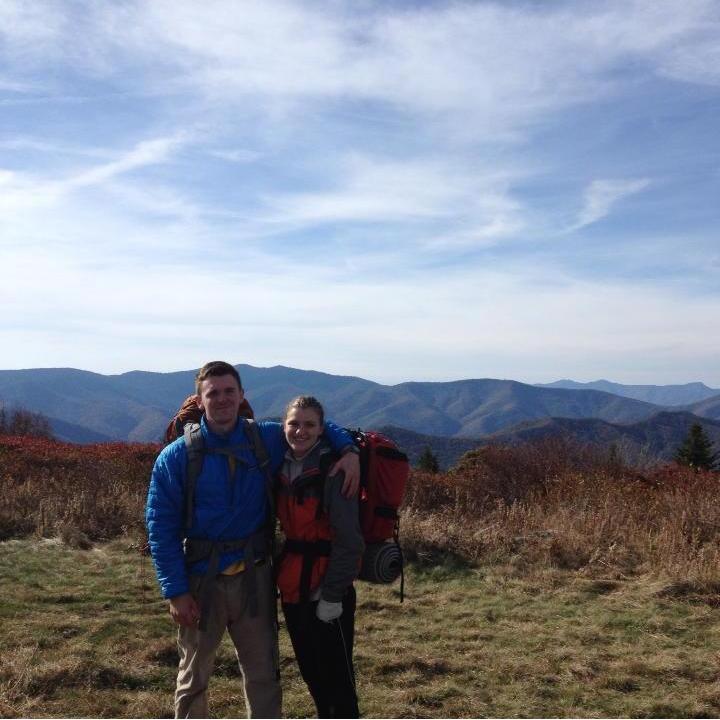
x,y
551,504
91,491
575,514
79,640
544,581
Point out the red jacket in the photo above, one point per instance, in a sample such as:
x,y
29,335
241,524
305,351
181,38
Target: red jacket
x,y
324,544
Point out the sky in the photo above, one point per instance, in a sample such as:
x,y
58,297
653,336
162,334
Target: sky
x,y
393,190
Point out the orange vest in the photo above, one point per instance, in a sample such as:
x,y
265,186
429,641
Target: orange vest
x,y
306,525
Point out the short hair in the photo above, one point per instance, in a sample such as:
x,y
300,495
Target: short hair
x,y
215,368
305,402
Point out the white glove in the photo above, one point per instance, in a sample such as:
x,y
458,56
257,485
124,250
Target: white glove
x,y
328,611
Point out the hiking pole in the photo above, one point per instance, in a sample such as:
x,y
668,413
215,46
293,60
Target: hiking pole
x,y
351,674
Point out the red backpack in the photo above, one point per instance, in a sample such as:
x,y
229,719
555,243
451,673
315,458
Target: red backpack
x,y
384,471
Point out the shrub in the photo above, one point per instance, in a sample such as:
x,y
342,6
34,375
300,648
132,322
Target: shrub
x,y
19,421
562,505
51,487
554,504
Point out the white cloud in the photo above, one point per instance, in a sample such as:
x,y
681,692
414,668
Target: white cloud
x,y
472,322
35,24
13,86
476,203
602,195
496,63
147,152
237,155
699,63
32,144
370,149
24,191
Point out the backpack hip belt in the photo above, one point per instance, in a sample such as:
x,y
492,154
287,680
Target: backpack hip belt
x,y
310,551
197,549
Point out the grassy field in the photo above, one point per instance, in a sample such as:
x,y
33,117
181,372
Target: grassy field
x,y
84,633
548,580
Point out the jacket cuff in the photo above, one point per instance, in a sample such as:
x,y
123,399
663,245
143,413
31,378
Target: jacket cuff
x,y
329,596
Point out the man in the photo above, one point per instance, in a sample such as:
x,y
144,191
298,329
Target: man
x,y
213,567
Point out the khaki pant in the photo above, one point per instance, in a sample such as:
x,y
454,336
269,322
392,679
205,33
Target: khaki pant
x,y
255,640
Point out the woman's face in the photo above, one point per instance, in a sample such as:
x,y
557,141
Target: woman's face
x,y
302,429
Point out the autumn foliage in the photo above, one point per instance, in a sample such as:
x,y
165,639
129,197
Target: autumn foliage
x,y
50,487
553,503
560,504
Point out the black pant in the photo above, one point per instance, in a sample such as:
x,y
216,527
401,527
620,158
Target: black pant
x,y
324,654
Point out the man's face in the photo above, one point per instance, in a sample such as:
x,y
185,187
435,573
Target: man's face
x,y
220,399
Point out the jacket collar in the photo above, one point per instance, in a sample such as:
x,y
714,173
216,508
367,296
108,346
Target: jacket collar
x,y
234,437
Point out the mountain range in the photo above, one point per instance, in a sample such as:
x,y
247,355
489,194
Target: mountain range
x,y
645,442
670,395
88,407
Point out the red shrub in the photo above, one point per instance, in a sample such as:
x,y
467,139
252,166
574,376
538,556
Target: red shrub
x,y
97,489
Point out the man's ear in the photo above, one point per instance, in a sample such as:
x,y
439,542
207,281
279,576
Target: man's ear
x,y
198,401
242,394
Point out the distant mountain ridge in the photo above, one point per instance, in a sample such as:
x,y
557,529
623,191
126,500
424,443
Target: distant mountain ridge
x,y
136,406
649,441
657,394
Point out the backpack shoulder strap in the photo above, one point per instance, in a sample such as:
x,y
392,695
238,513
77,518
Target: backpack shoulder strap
x,y
195,450
261,455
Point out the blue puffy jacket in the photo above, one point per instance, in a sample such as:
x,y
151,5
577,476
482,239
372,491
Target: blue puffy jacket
x,y
225,508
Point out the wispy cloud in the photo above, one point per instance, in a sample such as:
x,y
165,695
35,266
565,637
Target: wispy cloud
x,y
602,195
26,143
434,159
497,62
147,152
237,155
13,86
23,191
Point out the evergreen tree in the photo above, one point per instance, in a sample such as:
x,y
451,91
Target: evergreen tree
x,y
427,461
696,450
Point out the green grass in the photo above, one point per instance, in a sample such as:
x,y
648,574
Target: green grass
x,y
85,633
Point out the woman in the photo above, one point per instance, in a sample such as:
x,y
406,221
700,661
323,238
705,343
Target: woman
x,y
319,561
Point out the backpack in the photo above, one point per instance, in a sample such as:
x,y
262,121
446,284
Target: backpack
x,y
189,412
384,472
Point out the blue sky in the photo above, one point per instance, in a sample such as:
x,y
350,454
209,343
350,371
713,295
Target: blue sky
x,y
399,191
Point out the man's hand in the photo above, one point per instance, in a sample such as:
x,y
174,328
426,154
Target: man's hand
x,y
349,464
184,610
